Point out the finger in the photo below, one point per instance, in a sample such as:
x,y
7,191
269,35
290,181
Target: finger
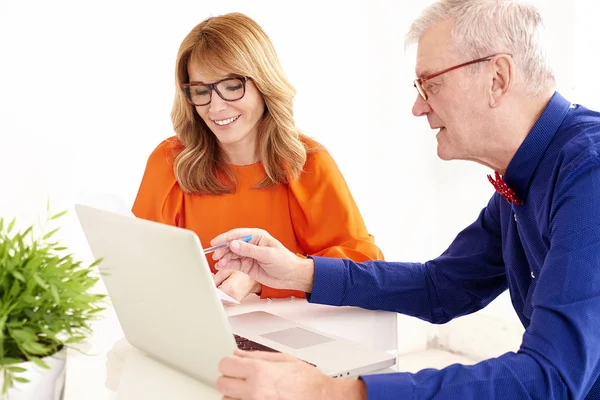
x,y
234,234
235,265
218,254
221,276
225,259
264,355
231,388
229,255
237,367
258,253
229,289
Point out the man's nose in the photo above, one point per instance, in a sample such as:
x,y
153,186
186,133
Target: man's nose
x,y
421,107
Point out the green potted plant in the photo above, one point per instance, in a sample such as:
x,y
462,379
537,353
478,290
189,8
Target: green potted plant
x,y
46,305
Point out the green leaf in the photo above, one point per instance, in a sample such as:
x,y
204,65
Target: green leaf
x,y
58,215
34,348
15,289
27,231
7,383
75,339
8,361
18,275
11,225
39,281
16,369
33,263
49,234
29,299
23,335
55,294
22,380
96,263
39,362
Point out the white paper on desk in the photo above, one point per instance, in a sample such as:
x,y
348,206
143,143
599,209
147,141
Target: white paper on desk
x,y
225,297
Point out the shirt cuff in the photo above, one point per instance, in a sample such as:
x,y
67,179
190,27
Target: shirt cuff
x,y
398,385
329,281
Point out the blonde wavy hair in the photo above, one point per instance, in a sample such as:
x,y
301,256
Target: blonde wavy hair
x,y
237,44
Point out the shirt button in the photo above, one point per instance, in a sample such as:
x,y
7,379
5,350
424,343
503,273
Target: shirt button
x,y
515,216
532,275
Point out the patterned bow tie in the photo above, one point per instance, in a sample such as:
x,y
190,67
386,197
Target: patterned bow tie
x,y
502,188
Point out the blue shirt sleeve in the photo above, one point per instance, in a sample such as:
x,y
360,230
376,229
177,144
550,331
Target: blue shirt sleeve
x,y
560,353
464,279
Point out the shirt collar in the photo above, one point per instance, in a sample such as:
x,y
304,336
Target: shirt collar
x,y
520,171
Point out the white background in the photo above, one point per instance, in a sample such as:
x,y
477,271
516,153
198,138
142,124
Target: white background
x,y
86,90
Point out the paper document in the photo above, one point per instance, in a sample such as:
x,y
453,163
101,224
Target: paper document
x,y
225,297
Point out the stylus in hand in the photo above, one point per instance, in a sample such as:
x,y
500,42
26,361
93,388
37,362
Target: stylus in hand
x,y
211,249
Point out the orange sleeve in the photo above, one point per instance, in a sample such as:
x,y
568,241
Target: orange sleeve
x,y
159,197
326,219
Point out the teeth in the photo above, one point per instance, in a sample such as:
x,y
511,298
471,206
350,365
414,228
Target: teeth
x,y
226,121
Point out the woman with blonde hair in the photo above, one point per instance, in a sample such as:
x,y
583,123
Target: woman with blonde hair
x,y
238,160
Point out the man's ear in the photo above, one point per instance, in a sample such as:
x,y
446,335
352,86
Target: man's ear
x,y
503,75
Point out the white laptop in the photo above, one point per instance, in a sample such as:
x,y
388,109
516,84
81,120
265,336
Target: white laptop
x,y
163,293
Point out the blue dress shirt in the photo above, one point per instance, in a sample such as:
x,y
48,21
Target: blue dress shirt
x,y
545,251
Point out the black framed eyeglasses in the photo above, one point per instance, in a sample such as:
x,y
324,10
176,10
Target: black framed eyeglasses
x,y
418,83
229,89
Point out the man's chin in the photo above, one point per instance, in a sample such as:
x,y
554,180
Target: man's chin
x,y
444,153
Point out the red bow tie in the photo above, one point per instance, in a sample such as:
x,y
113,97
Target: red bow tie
x,y
502,188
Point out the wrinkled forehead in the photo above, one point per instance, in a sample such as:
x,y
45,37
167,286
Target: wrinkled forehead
x,y
434,49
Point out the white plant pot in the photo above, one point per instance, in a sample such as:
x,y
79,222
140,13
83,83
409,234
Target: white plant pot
x,y
44,384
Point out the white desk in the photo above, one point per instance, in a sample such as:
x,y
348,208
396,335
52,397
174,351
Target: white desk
x,y
116,370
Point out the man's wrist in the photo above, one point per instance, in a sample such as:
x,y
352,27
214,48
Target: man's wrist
x,y
306,269
347,389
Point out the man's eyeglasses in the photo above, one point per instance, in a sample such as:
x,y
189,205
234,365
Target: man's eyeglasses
x,y
418,83
229,89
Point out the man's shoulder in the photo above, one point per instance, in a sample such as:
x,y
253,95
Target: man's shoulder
x,y
581,134
577,142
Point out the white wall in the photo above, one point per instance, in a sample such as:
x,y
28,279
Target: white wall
x,y
86,91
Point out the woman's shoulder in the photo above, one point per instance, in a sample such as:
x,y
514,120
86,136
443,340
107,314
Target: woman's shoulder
x,y
316,154
319,163
165,152
311,145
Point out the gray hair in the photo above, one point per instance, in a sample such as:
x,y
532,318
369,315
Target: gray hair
x,y
484,27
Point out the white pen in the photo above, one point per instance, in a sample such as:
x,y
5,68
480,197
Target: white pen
x,y
211,249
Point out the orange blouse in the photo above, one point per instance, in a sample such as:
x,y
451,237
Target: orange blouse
x,y
313,215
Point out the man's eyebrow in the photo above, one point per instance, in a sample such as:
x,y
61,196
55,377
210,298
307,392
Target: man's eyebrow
x,y
422,73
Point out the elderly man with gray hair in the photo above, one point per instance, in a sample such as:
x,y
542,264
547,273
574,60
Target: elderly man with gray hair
x,y
484,83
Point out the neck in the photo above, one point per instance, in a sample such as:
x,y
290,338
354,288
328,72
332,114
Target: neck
x,y
511,129
241,153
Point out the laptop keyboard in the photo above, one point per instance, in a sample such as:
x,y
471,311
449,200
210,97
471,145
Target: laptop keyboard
x,y
249,345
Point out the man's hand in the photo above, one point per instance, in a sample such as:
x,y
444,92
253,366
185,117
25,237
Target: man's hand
x,y
264,259
236,284
260,375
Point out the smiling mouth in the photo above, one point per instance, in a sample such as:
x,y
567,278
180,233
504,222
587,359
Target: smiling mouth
x,y
223,122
